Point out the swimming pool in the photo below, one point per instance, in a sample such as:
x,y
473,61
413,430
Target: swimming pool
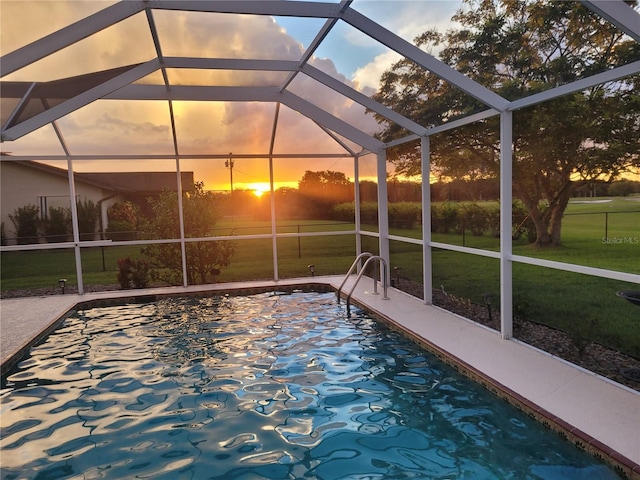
x,y
273,385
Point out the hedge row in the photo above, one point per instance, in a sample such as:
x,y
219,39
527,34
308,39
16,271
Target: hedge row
x,y
447,217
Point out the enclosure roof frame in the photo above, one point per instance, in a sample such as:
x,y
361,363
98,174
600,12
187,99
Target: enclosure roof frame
x,y
122,86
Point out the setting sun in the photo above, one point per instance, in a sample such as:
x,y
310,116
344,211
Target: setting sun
x,y
259,188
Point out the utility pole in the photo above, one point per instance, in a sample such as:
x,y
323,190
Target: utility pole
x,y
229,165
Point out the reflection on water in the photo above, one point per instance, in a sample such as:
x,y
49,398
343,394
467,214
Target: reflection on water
x,y
267,386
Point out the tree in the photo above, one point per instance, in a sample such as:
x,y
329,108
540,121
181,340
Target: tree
x,y
287,204
204,258
519,48
123,221
320,191
368,191
125,211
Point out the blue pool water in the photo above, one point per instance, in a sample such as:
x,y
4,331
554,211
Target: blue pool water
x,y
274,385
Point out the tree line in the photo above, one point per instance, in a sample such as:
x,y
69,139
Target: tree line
x,y
321,195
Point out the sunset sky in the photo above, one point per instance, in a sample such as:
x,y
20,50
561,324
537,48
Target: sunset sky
x,y
112,127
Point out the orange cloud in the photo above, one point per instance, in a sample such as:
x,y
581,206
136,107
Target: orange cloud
x,y
113,127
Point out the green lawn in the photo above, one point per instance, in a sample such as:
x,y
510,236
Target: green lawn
x,y
603,235
578,304
595,234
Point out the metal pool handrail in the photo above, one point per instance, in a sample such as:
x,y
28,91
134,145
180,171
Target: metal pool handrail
x,y
375,280
353,265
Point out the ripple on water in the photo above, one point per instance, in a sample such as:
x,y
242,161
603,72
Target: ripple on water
x,y
267,386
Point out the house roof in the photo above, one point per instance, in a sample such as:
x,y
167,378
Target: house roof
x,y
140,182
143,183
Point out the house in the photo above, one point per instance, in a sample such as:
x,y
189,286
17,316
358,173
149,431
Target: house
x,y
25,182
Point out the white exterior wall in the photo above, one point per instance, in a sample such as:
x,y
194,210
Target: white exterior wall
x,y
21,185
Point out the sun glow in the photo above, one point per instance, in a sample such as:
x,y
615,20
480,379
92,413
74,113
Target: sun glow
x,y
259,188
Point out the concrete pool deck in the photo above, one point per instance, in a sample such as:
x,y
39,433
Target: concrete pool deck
x,y
600,415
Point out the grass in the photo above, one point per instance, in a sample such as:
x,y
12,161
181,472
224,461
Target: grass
x,y
602,235
568,301
594,234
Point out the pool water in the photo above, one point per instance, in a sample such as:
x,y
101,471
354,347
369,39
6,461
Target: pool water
x,y
275,385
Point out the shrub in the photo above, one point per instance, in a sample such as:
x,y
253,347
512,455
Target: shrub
x,y
26,222
404,214
133,273
522,223
474,218
444,217
126,212
623,188
344,212
3,235
120,231
88,213
369,212
56,225
493,220
204,259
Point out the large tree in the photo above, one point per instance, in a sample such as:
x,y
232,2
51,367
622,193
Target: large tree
x,y
519,48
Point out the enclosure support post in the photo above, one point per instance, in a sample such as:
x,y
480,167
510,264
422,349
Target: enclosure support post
x,y
75,226
383,209
356,202
427,270
272,198
74,209
183,246
506,239
274,230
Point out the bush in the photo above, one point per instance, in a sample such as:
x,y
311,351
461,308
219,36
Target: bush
x,y
88,213
493,220
120,231
133,273
474,218
401,214
369,212
344,212
3,235
444,217
126,212
56,225
404,214
522,223
623,188
204,259
26,222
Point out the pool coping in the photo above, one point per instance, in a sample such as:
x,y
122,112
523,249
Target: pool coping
x,y
25,322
